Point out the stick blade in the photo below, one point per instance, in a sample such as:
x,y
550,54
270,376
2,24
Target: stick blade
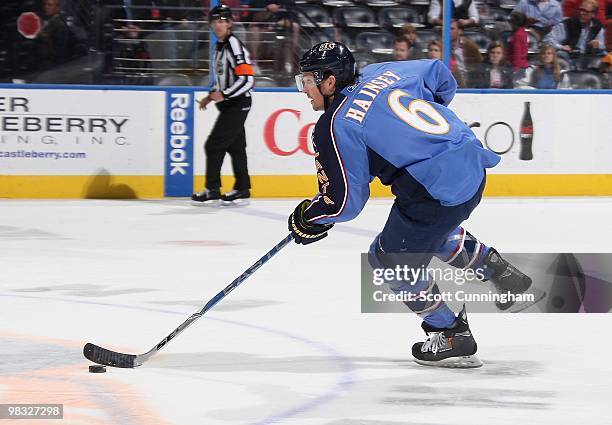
x,y
106,357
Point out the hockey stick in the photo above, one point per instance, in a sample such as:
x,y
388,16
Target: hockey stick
x,y
107,357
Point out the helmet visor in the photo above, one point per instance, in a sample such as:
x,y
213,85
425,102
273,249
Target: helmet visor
x,y
305,81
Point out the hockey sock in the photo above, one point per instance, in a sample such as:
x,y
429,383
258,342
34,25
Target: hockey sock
x,y
462,250
428,303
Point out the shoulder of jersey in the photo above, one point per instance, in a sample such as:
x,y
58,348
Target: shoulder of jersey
x,y
372,71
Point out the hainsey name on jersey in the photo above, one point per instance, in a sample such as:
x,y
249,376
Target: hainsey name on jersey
x,y
372,88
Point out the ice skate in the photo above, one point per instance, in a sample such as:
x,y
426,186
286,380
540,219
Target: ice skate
x,y
448,347
507,278
236,198
208,198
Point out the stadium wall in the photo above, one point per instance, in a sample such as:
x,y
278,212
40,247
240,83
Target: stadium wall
x,y
147,142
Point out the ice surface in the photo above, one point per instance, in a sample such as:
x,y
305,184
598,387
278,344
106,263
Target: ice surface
x,y
288,346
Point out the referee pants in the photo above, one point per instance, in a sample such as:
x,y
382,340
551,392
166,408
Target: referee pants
x,y
228,136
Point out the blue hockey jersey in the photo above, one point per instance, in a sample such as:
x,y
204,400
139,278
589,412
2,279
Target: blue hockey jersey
x,y
394,120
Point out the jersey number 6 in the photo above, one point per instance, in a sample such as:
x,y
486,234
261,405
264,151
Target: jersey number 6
x,y
412,115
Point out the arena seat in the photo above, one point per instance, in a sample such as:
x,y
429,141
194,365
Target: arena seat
x,y
424,37
396,17
481,39
355,17
317,14
364,59
587,80
380,42
173,80
382,3
508,4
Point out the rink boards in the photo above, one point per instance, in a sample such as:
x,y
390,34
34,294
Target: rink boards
x,y
118,142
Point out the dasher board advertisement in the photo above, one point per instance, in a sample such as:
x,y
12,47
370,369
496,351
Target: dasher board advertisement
x,y
541,133
278,131
79,132
534,134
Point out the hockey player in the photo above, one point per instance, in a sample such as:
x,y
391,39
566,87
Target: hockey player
x,y
392,122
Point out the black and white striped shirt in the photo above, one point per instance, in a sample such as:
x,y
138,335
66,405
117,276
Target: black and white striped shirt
x,y
233,69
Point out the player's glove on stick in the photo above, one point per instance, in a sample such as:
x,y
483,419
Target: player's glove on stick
x,y
302,231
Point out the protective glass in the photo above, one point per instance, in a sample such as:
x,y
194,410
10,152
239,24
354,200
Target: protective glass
x,y
304,81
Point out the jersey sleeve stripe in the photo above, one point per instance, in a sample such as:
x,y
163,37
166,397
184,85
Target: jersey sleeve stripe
x,y
247,84
341,163
236,49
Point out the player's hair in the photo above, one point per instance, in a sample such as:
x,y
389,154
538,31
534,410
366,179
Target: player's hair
x,y
342,83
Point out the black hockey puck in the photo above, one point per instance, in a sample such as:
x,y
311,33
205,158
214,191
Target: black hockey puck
x,y
96,368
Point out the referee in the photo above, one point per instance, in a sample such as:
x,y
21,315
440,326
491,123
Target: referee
x,y
232,95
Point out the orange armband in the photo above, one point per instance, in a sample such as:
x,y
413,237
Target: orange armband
x,y
244,69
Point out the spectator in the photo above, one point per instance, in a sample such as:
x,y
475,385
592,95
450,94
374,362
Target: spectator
x,y
130,16
410,32
542,15
131,59
178,26
403,50
547,75
465,55
434,49
570,8
180,10
277,16
493,72
608,30
518,45
605,68
583,33
464,11
56,42
606,63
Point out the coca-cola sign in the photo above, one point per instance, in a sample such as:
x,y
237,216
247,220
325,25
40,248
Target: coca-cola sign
x,y
302,137
499,137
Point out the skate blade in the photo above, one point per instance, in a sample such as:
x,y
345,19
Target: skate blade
x,y
210,204
517,307
237,203
463,362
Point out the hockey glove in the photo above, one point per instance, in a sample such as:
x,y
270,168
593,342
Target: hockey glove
x,y
302,231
